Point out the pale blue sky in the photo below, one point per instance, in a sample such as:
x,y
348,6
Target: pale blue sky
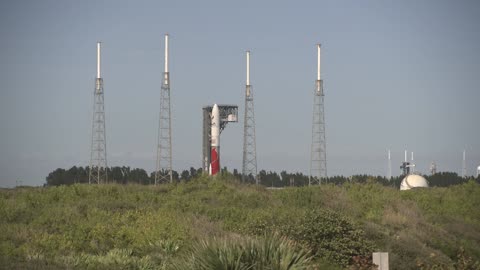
x,y
397,74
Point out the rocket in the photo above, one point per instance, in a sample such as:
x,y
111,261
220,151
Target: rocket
x,y
215,141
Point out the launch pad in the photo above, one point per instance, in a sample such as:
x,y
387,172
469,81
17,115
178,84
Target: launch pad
x,y
228,114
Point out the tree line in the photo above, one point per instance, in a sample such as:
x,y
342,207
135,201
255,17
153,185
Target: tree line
x,y
127,175
118,174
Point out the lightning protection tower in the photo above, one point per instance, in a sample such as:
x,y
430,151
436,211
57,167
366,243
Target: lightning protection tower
x,y
163,171
249,168
98,155
433,168
318,157
389,172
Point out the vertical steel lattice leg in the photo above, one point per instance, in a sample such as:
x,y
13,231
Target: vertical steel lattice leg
x,y
98,155
249,170
163,171
318,158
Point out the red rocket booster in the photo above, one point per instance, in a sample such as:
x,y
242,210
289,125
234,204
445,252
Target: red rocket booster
x,y
215,141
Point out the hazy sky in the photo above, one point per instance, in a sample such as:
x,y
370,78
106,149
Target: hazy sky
x,y
397,74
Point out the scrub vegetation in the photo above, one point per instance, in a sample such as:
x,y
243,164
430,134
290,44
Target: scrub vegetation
x,y
222,224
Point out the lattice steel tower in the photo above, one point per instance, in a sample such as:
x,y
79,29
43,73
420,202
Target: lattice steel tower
x,y
318,157
389,171
249,168
98,155
433,168
163,171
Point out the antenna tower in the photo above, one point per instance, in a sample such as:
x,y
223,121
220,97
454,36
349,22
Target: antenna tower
x,y
389,173
249,169
412,165
464,165
163,171
98,155
433,168
318,157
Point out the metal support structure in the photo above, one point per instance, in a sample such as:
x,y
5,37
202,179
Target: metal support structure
x,y
318,157
98,155
206,142
389,173
249,167
464,165
163,169
433,168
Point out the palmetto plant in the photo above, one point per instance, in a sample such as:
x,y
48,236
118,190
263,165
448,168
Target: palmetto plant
x,y
265,253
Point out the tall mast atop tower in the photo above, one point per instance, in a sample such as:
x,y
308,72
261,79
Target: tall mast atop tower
x,y
98,155
318,157
389,173
163,170
249,167
98,60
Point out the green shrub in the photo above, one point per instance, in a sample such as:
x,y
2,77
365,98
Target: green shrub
x,y
156,225
266,253
113,259
330,235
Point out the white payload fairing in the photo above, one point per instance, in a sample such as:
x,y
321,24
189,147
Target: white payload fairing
x,y
215,141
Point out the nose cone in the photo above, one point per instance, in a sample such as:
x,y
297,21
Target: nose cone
x,y
216,114
215,127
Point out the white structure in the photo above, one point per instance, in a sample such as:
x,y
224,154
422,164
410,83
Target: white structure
x,y
413,181
412,165
433,168
215,141
478,171
381,260
389,172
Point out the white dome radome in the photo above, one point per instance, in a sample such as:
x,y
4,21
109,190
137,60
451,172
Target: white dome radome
x,y
413,181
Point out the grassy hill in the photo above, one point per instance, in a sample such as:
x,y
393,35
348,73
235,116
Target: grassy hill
x,y
206,223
